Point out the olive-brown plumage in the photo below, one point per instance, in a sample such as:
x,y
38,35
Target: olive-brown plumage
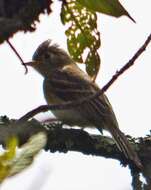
x,y
65,81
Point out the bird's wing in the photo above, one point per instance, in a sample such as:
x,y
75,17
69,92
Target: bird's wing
x,y
68,85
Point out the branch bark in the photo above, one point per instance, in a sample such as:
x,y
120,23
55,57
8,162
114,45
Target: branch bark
x,y
64,140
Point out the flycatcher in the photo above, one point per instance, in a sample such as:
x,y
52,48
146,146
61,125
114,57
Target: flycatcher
x,y
64,81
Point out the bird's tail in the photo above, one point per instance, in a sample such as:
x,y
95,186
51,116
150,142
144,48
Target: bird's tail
x,y
124,146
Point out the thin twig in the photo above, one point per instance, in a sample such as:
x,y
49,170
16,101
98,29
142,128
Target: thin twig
x,y
128,64
17,54
71,104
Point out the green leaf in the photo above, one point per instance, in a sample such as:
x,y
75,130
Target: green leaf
x,y
12,163
83,37
91,68
27,153
7,157
109,7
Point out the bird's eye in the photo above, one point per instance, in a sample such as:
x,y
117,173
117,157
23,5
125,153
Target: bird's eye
x,y
47,56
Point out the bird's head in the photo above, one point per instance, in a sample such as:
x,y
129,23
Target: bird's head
x,y
49,57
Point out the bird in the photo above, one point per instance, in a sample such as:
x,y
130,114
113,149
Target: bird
x,y
64,81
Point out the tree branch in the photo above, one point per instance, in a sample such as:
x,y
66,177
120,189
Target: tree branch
x,y
17,54
136,182
72,104
64,140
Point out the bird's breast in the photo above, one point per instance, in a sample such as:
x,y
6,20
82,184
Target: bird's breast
x,y
71,117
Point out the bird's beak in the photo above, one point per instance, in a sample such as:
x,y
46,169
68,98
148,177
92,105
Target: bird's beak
x,y
31,63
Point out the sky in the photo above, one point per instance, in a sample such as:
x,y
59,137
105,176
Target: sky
x,y
129,96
